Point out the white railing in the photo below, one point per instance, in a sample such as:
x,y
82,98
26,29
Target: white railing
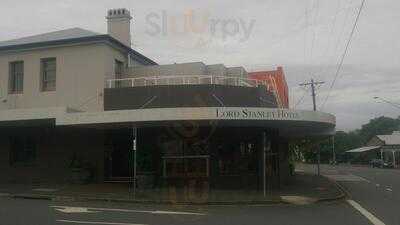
x,y
184,80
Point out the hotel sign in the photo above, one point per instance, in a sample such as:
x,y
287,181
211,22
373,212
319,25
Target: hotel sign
x,y
257,114
156,115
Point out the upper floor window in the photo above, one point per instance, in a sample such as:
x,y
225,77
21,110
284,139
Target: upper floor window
x,y
118,72
119,68
16,79
48,74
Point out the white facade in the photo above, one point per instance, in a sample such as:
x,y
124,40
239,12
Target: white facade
x,y
81,71
119,25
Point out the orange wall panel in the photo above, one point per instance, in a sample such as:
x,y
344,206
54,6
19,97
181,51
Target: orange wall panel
x,y
276,81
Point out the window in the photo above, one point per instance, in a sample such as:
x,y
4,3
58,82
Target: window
x,y
16,80
48,71
119,68
118,71
23,150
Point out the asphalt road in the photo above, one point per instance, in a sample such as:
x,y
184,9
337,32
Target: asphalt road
x,y
374,199
19,211
376,190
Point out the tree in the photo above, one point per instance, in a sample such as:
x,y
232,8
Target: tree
x,y
345,141
379,126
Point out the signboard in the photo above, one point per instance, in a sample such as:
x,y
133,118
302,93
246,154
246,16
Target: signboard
x,y
253,113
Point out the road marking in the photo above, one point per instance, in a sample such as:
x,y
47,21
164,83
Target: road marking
x,y
365,179
389,189
365,213
74,210
95,222
298,200
45,189
68,209
181,213
346,177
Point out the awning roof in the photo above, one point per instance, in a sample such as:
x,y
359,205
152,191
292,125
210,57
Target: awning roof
x,y
363,149
290,123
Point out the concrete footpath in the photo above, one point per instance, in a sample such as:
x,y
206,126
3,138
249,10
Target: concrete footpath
x,y
304,188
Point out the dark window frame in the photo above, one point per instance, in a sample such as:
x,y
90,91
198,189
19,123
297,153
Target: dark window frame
x,y
13,86
119,67
23,150
44,84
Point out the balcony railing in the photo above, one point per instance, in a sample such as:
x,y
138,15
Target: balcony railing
x,y
185,80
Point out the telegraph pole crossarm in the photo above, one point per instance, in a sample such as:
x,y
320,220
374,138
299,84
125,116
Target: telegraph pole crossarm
x,y
313,83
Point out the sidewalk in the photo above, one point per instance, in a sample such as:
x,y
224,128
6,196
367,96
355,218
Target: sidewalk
x,y
303,189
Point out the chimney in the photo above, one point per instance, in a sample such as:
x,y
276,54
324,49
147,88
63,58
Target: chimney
x,y
119,25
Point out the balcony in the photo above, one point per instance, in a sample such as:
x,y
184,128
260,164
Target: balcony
x,y
185,80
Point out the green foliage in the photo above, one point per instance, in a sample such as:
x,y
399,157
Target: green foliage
x,y
306,149
378,126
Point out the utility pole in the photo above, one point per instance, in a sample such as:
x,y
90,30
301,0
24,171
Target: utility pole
x,y
264,163
132,164
313,83
333,150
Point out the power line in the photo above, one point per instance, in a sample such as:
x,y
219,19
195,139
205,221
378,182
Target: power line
x,y
394,104
336,46
305,33
315,6
313,83
301,99
344,53
331,39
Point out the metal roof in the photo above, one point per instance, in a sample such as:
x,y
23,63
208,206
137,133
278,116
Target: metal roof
x,y
69,36
392,139
51,36
363,149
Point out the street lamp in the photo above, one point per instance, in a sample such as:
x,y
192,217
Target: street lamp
x,y
387,101
397,105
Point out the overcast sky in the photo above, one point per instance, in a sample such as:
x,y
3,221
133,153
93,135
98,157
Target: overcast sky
x,y
306,37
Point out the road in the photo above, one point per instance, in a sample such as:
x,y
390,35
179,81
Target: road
x,y
373,192
19,211
376,190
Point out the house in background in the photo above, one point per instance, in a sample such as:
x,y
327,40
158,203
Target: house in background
x,y
385,147
389,147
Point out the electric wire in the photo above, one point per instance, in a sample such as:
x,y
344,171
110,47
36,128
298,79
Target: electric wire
x,y
330,41
305,91
344,53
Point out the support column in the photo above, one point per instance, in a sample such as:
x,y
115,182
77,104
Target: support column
x,y
132,159
264,150
394,159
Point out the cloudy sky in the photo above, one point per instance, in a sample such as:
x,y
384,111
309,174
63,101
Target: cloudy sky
x,y
306,37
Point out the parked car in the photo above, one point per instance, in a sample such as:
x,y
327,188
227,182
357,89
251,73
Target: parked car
x,y
380,163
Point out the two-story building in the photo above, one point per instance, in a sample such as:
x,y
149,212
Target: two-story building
x,y
74,104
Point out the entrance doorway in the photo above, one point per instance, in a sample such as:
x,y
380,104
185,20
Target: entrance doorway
x,y
187,177
117,154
